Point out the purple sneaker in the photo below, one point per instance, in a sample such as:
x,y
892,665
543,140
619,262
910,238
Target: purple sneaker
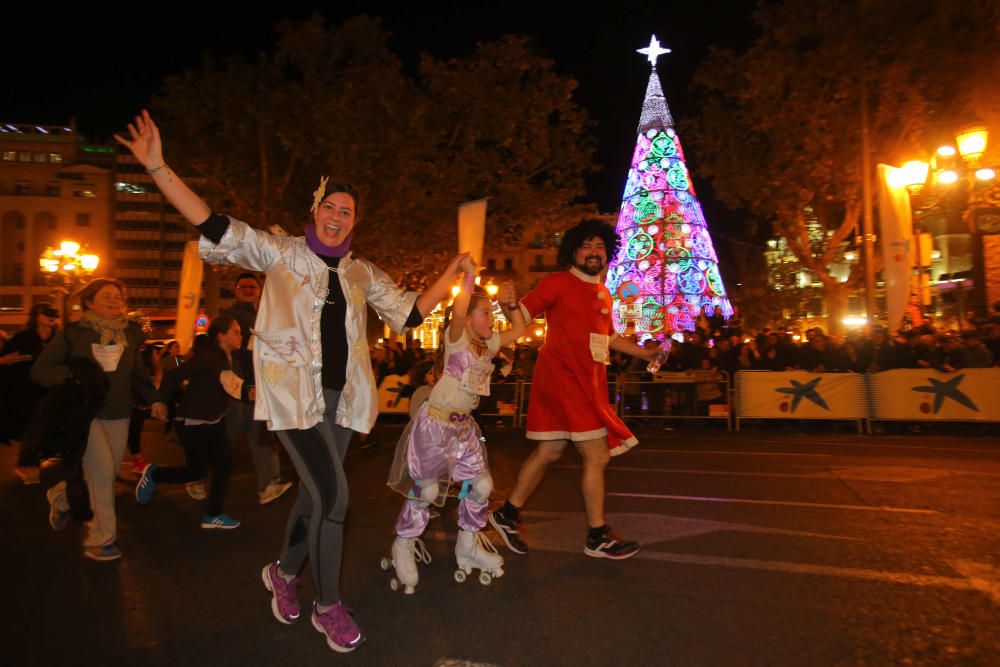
x,y
284,594
337,623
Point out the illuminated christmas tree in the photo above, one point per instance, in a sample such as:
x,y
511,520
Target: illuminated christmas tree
x,y
666,272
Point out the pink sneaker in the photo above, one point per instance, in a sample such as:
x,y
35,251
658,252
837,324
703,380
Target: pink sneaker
x,y
284,594
337,623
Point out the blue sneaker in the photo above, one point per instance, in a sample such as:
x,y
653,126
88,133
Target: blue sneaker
x,y
223,521
146,487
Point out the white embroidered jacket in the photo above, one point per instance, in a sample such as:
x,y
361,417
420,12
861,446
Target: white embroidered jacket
x,y
287,350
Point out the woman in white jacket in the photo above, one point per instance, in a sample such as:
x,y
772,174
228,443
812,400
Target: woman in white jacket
x,y
314,378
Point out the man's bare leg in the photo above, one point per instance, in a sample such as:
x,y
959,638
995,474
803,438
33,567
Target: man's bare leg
x,y
595,455
534,468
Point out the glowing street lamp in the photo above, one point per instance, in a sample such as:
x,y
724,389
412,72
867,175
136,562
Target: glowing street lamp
x,y
972,143
65,266
914,174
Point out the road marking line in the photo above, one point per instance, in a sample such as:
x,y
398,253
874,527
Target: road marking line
x,y
787,503
806,568
640,450
822,474
943,448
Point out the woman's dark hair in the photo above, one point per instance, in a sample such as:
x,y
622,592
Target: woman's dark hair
x,y
200,343
90,290
35,311
217,326
348,189
588,229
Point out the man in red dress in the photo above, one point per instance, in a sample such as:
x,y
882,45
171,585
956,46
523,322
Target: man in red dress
x,y
569,389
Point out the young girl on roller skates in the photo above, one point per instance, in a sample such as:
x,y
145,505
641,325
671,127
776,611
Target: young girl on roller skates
x,y
442,442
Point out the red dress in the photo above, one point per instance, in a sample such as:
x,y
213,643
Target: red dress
x,y
569,389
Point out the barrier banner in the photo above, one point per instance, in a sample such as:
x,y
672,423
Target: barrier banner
x,y
927,394
801,395
389,401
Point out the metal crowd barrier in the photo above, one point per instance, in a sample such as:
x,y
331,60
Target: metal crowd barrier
x,y
698,395
503,402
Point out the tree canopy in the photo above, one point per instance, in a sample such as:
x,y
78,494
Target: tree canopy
x,y
780,132
333,100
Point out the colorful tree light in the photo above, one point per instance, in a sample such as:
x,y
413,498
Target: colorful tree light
x,y
666,250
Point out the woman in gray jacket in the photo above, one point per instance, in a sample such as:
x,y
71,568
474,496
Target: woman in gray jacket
x,y
105,335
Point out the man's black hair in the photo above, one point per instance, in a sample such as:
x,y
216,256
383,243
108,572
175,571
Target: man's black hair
x,y
588,229
247,274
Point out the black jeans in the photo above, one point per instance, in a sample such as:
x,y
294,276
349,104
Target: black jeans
x,y
206,446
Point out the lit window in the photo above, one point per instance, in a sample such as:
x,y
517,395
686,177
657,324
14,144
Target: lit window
x,y
24,156
84,190
9,156
55,158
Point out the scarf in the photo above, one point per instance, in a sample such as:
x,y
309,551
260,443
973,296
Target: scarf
x,y
112,332
323,249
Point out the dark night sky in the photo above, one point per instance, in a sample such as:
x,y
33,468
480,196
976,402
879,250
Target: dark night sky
x,y
100,66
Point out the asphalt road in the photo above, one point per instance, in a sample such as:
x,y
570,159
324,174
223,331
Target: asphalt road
x,y
768,547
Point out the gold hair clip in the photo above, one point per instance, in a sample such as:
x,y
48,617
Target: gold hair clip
x,y
319,193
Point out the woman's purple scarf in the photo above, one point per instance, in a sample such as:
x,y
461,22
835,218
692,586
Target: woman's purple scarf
x,y
323,249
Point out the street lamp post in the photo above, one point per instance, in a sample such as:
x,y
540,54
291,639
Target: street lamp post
x,y
954,184
64,267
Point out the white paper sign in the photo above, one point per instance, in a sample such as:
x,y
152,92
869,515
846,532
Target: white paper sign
x,y
107,356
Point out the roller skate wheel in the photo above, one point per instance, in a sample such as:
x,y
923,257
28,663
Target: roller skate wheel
x,y
460,576
385,564
485,578
394,584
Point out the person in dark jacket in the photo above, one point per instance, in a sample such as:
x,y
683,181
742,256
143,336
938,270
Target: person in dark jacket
x,y
60,427
105,335
18,394
201,425
239,419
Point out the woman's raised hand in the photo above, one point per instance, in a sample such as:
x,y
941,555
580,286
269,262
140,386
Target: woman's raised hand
x,y
468,265
145,143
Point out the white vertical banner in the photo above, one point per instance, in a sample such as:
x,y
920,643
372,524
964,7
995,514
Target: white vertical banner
x,y
896,223
472,228
188,295
801,395
928,395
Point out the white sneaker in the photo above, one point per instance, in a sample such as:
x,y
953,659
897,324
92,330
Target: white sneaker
x,y
196,490
273,491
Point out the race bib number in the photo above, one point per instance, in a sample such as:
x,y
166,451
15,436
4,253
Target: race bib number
x,y
286,345
107,356
599,347
476,378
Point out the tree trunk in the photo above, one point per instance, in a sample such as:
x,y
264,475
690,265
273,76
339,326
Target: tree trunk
x,y
835,295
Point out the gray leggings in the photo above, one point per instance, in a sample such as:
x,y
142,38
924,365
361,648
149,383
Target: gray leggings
x,y
316,523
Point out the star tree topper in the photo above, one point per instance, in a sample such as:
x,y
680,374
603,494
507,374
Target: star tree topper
x,y
653,51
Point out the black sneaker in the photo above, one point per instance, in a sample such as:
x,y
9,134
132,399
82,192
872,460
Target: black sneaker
x,y
608,545
507,530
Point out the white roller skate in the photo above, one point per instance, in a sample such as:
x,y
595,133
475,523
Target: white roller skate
x,y
406,553
474,550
